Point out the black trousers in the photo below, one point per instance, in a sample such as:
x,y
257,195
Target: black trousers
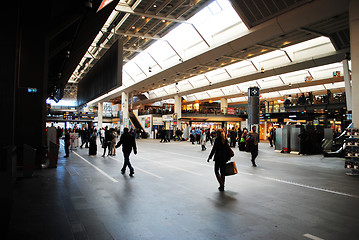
x,y
254,153
108,144
220,167
67,150
270,141
84,141
126,162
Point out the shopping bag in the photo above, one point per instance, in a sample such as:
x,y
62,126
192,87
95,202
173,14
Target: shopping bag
x,y
231,168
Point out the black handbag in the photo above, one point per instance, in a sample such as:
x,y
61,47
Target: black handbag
x,y
231,168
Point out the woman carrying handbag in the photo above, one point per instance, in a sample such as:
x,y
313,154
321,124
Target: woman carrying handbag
x,y
220,158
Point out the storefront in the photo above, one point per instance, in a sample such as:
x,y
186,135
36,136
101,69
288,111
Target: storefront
x,y
211,125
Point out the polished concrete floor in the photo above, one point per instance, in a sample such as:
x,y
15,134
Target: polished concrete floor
x,y
174,195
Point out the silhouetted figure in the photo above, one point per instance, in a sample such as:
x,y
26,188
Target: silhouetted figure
x,y
219,152
270,135
93,144
253,145
67,143
128,143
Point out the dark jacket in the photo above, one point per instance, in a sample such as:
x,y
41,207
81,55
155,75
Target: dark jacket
x,y
128,142
108,136
67,139
219,150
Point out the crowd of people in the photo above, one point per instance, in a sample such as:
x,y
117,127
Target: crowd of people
x,y
108,139
309,99
88,136
219,139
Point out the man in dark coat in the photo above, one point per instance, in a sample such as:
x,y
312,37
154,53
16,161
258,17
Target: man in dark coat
x,y
108,141
128,142
67,143
253,145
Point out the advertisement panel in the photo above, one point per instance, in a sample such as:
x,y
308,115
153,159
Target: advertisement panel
x,y
230,111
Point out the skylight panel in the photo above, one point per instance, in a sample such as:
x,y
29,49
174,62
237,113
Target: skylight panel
x,y
335,85
238,99
270,95
312,88
161,51
310,48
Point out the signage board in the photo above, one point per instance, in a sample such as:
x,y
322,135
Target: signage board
x,y
167,118
230,111
103,4
157,121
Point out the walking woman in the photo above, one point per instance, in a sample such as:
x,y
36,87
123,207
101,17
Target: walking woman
x,y
219,152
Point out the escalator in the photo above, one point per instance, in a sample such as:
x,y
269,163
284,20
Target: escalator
x,y
136,123
338,145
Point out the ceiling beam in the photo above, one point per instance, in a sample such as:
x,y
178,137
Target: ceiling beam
x,y
281,88
291,67
131,11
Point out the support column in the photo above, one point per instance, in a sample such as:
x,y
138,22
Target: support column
x,y
224,105
253,107
348,87
178,110
125,113
99,115
354,53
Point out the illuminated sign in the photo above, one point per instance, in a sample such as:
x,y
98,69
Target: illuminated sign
x,y
32,90
336,74
104,3
230,111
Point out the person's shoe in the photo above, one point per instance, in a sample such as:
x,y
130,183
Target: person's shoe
x,y
131,174
66,156
103,155
221,189
123,172
81,147
254,165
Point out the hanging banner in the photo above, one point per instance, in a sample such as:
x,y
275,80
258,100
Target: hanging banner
x,y
104,4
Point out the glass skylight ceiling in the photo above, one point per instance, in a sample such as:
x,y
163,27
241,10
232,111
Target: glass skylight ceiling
x,y
217,24
298,52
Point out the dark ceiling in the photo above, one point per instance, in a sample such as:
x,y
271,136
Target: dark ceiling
x,y
255,12
72,26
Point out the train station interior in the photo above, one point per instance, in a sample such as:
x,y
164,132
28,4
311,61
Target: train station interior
x,y
73,71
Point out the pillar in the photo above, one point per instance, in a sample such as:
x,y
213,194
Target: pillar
x,y
125,113
348,87
354,53
99,115
224,105
178,110
253,107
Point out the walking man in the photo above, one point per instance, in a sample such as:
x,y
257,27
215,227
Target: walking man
x,y
128,142
254,145
67,143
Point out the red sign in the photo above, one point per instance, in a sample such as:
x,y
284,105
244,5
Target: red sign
x,y
104,4
230,111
